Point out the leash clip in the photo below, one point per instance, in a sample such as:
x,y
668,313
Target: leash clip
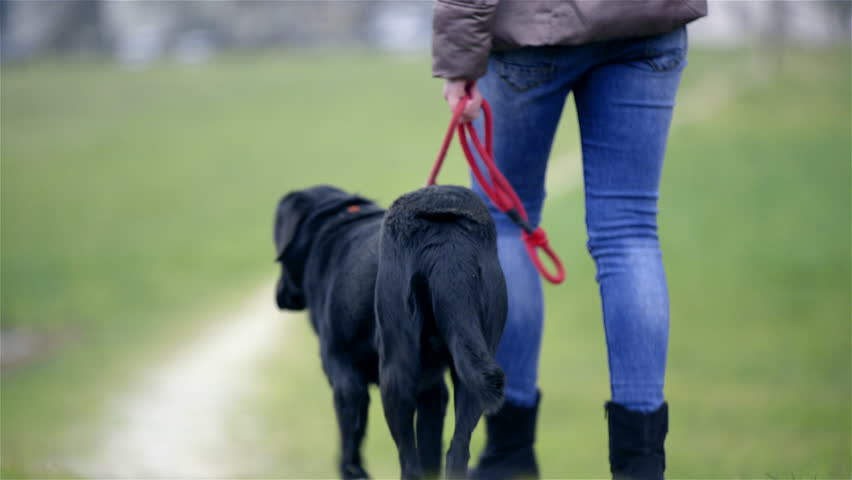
x,y
516,218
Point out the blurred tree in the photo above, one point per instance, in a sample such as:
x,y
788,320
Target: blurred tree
x,y
80,28
34,27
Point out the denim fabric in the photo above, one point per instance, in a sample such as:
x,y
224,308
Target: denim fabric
x,y
624,93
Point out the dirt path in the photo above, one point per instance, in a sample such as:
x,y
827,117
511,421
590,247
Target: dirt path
x,y
183,418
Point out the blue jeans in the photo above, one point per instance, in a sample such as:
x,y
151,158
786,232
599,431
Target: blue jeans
x,y
624,91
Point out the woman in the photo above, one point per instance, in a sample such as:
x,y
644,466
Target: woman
x,y
622,59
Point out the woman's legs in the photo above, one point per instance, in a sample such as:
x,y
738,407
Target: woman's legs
x,y
624,93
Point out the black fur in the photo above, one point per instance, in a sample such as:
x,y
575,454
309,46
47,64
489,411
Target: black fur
x,y
328,257
433,298
440,301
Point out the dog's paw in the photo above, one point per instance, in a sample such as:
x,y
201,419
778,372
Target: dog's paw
x,y
412,474
354,472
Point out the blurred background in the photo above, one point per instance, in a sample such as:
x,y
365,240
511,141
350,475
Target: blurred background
x,y
143,148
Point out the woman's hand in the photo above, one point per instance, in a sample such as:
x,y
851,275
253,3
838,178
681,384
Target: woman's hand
x,y
455,90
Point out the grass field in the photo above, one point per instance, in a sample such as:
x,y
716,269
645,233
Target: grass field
x,y
136,203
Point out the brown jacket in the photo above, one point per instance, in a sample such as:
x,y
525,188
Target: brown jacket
x,y
464,32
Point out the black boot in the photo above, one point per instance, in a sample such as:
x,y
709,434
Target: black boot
x,y
508,454
636,442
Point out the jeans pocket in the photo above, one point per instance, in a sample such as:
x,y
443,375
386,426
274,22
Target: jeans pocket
x,y
524,68
667,61
663,53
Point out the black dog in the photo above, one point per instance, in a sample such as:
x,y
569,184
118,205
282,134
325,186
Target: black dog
x,y
440,298
328,242
440,301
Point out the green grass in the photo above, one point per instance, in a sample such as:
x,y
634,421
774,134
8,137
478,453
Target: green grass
x,y
136,203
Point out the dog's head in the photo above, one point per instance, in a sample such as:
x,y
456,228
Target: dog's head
x,y
298,218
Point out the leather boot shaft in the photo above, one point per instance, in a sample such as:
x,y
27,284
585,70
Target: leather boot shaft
x,y
509,452
636,442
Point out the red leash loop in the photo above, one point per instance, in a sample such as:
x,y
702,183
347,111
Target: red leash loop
x,y
499,190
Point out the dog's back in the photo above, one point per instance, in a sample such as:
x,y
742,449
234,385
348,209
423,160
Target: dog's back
x,y
440,300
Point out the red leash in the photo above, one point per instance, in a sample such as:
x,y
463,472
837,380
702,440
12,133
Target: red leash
x,y
499,190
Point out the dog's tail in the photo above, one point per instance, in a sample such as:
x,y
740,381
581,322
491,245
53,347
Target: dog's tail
x,y
477,369
461,326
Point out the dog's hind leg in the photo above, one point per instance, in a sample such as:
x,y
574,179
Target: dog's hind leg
x,y
397,386
351,403
468,410
399,367
431,409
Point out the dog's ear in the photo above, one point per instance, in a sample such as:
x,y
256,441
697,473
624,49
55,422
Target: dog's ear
x,y
288,216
